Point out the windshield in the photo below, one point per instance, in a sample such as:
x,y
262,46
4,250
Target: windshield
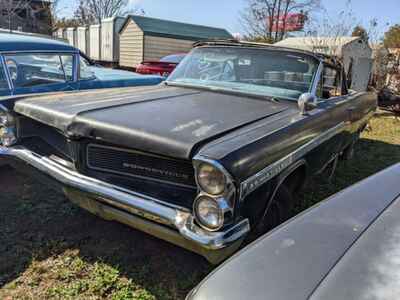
x,y
257,71
29,70
175,58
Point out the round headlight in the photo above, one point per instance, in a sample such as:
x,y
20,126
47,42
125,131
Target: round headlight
x,y
208,213
3,118
211,179
8,136
6,119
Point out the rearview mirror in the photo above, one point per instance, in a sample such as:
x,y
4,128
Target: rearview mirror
x,y
306,103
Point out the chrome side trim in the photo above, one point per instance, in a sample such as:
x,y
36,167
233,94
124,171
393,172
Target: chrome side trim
x,y
260,178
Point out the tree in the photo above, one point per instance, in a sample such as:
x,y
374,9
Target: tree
x,y
93,11
327,30
54,11
11,8
66,22
392,37
260,18
392,42
361,32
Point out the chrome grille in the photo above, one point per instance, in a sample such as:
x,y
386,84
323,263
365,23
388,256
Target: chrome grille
x,y
138,164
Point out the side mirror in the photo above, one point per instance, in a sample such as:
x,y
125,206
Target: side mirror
x,y
306,103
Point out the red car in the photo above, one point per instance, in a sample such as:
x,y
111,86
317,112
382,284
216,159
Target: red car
x,y
164,67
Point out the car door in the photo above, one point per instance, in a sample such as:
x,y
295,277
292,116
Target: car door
x,y
340,101
40,72
331,117
353,107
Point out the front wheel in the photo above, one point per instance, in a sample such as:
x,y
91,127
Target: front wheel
x,y
348,153
280,209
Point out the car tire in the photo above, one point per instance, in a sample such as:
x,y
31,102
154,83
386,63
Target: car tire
x,y
348,153
280,209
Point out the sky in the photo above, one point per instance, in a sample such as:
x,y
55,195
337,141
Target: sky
x,y
225,13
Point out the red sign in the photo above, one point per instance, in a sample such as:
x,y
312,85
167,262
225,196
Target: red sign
x,y
289,22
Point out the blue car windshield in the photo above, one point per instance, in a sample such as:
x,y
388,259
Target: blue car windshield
x,y
259,71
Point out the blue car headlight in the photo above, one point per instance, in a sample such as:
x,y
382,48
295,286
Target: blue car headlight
x,y
8,130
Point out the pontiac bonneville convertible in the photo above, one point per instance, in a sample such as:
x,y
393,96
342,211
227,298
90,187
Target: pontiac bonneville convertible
x,y
217,152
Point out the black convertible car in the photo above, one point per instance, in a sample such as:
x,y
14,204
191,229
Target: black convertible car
x,y
347,247
217,151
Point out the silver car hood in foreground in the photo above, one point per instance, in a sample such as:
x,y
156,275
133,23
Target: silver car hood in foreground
x,y
347,247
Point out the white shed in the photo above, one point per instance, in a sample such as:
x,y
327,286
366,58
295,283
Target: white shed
x,y
59,33
355,53
110,38
82,39
95,42
144,38
71,36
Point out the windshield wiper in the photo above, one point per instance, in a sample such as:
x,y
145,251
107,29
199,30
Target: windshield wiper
x,y
231,90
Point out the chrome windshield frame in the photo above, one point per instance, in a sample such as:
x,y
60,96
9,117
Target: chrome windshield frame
x,y
312,87
317,79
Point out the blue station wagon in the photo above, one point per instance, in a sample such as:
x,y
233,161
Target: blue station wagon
x,y
31,64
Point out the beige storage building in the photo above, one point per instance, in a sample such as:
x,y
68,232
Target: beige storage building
x,y
143,38
355,53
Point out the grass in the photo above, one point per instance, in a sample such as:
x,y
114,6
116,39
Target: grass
x,y
49,249
378,148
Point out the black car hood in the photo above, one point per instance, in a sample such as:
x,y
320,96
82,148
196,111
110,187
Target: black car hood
x,y
165,120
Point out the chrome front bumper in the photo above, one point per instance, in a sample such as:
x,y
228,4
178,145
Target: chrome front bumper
x,y
165,221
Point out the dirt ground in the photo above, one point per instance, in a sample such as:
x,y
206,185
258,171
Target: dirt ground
x,y
51,249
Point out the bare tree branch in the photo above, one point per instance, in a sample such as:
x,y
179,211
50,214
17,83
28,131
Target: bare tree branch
x,y
93,11
266,19
332,28
11,9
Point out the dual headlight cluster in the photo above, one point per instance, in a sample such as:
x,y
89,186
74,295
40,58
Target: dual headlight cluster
x,y
8,132
211,204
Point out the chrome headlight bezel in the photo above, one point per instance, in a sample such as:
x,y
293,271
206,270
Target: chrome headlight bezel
x,y
224,198
8,130
210,179
212,204
8,136
3,117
